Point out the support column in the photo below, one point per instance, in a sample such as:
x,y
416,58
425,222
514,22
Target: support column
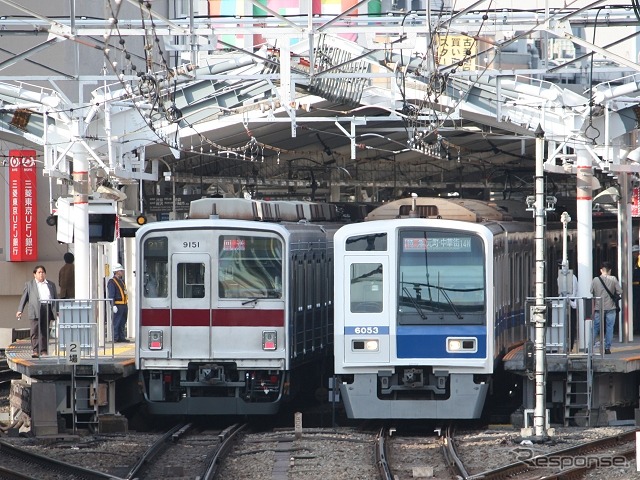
x,y
584,207
624,260
81,214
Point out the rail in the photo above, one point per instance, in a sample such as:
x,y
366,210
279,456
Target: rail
x,y
381,455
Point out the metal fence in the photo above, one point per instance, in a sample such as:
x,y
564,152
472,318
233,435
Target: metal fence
x,y
84,326
570,326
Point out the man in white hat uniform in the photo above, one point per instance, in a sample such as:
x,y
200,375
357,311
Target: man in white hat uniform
x,y
117,291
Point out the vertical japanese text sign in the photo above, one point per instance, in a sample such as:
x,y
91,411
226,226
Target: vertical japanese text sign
x,y
23,209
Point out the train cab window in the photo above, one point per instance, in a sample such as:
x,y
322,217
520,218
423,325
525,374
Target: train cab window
x,y
249,267
441,277
190,282
155,265
366,288
372,242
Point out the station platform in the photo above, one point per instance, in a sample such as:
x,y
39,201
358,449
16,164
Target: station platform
x,y
59,392
115,360
624,358
583,389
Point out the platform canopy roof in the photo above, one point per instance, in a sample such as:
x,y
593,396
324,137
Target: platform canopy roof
x,y
366,104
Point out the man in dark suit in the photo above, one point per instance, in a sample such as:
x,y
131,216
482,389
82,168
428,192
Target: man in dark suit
x,y
66,277
35,298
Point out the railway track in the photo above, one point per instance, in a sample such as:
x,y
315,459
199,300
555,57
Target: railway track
x,y
601,456
381,455
185,451
409,456
570,462
18,463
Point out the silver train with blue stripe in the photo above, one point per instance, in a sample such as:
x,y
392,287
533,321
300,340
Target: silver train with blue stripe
x,y
424,307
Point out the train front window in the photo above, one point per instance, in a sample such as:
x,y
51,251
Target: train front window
x,y
372,242
155,274
366,288
190,282
440,277
249,267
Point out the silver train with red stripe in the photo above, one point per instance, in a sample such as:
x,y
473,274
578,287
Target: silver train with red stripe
x,y
235,307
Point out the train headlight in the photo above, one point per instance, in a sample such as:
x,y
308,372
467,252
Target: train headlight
x,y
269,340
371,345
155,340
462,345
366,345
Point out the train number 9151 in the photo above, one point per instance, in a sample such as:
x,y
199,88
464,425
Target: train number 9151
x,y
190,244
369,330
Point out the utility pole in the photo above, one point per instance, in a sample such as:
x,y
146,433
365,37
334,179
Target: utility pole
x,y
171,175
540,308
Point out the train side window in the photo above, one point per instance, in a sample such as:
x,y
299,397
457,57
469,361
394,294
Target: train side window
x,y
190,282
298,282
155,265
318,269
366,288
512,285
373,242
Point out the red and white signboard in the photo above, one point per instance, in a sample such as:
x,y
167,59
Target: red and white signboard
x,y
23,206
635,202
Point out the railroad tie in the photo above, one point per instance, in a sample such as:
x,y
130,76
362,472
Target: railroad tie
x,y
282,460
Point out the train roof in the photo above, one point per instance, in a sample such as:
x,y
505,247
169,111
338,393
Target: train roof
x,y
288,230
260,210
494,227
465,210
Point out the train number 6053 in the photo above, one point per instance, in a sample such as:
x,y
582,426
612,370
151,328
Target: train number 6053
x,y
369,330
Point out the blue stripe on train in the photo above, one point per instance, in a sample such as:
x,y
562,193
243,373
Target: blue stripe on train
x,y
429,341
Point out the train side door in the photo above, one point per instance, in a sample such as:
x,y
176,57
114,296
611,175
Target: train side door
x,y
367,309
190,305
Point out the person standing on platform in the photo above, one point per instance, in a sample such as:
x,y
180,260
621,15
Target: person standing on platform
x,y
67,277
117,291
36,292
568,288
607,287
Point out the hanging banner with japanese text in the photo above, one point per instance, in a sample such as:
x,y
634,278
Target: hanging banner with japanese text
x,y
23,207
457,50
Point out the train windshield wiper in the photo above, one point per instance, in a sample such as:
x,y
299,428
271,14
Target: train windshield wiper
x,y
253,300
414,302
444,293
420,300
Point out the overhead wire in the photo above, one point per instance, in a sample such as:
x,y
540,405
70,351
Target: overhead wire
x,y
156,95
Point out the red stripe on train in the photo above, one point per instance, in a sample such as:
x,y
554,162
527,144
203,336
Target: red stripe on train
x,y
221,318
